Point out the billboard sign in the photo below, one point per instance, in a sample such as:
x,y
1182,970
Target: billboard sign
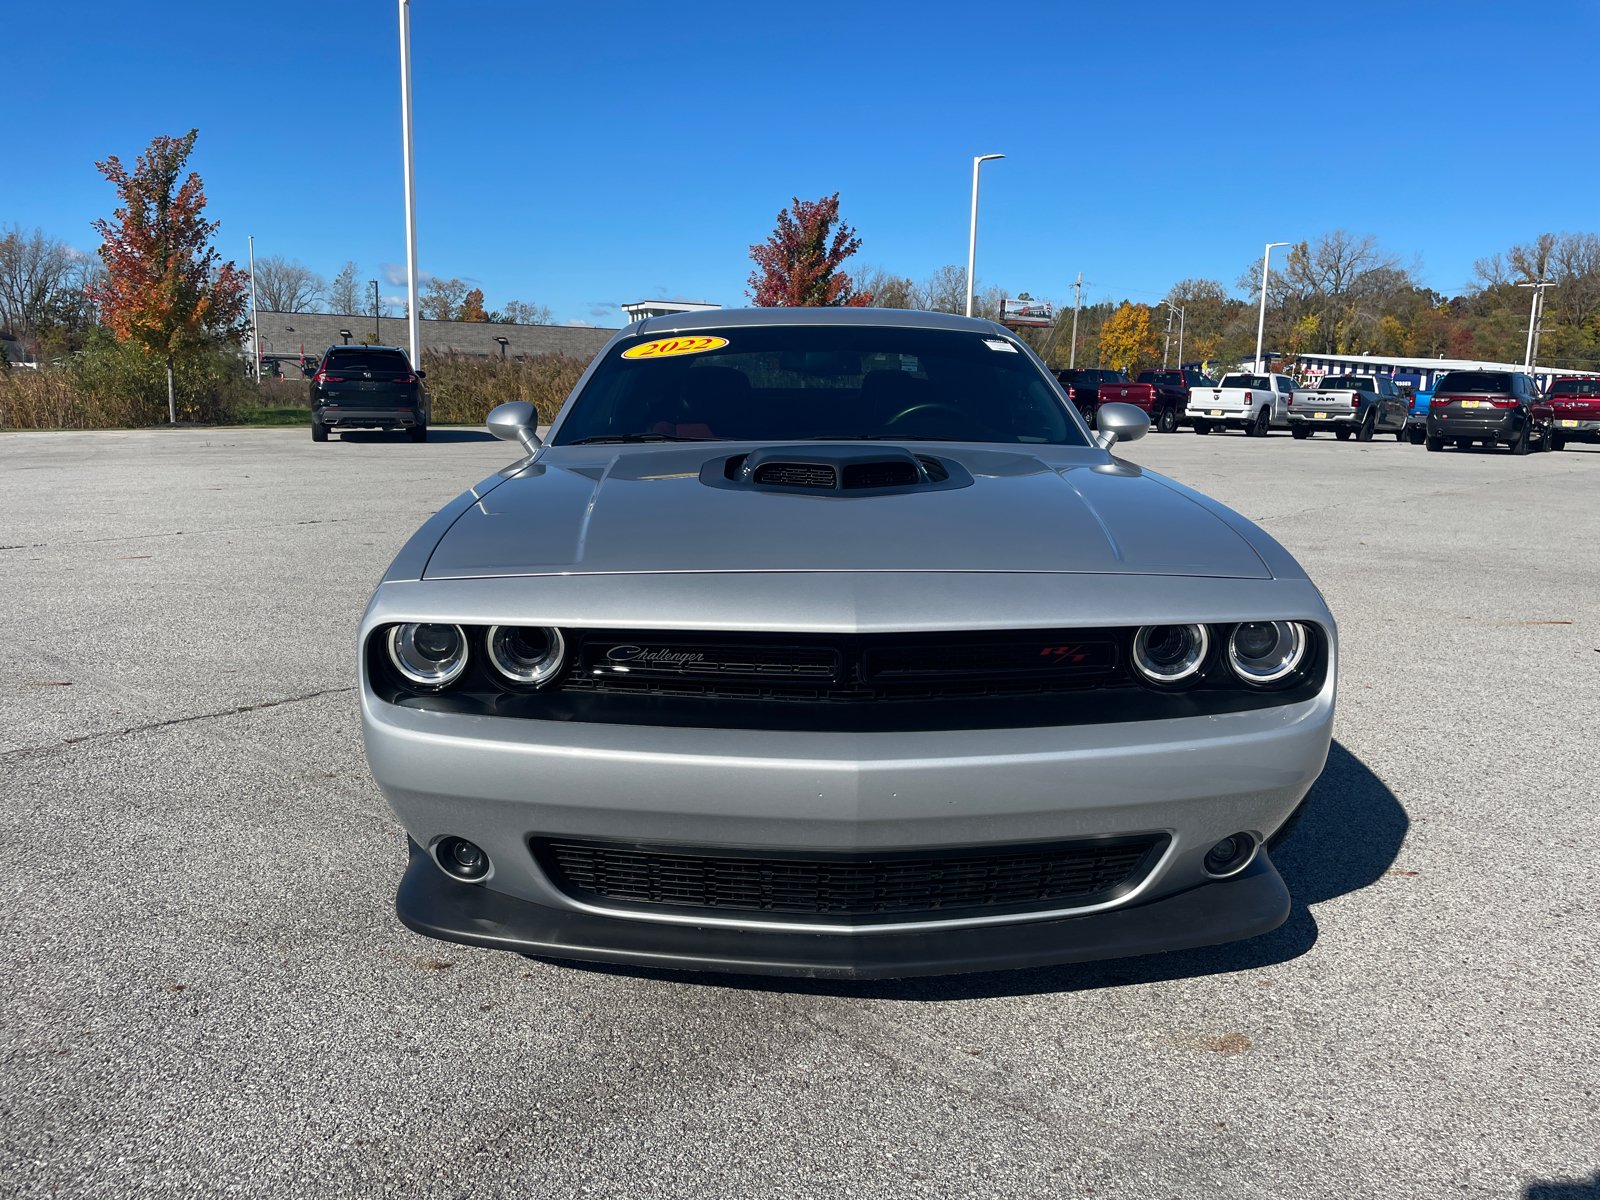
x,y
1027,312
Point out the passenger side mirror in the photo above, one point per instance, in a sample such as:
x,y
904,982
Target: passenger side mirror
x,y
1120,423
422,374
516,422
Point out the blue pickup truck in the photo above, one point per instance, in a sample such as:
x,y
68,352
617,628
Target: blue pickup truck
x,y
1417,417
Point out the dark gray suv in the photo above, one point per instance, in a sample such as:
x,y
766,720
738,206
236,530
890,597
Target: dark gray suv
x,y
368,387
1492,408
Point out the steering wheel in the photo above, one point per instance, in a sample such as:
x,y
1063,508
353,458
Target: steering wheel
x,y
966,423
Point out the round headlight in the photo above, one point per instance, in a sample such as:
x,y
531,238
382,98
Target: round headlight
x,y
429,655
1267,651
527,654
1170,653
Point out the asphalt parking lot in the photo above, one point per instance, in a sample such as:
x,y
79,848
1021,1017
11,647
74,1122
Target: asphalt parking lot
x,y
207,992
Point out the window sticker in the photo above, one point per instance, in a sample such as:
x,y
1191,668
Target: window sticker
x,y
668,347
998,344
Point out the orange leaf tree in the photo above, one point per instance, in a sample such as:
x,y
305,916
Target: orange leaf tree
x,y
1128,339
165,288
798,266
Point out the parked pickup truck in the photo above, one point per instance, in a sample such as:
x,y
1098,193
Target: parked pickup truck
x,y
1253,403
1350,404
1162,392
1576,405
1083,387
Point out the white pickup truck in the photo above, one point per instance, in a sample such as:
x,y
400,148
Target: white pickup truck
x,y
1253,403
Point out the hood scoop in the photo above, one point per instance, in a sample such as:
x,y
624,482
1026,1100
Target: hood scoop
x,y
834,472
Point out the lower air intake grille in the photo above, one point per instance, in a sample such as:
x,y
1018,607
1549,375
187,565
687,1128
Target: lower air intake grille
x,y
795,475
851,887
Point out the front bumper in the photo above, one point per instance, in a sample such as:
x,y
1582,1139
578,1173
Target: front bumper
x,y
500,781
1245,905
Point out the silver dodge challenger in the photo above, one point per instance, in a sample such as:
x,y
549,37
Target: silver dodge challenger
x,y
830,642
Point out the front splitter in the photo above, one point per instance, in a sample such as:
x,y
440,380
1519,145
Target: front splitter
x,y
1251,903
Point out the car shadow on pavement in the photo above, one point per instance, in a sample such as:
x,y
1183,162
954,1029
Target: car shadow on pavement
x,y
1576,1189
435,434
1349,835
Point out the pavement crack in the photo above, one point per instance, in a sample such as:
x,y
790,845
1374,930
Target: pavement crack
x,y
232,710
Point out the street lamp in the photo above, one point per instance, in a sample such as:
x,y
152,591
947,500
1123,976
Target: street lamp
x,y
255,324
1261,324
503,344
972,240
345,334
411,174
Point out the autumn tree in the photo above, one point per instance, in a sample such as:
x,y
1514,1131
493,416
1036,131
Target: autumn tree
x,y
166,289
798,266
471,308
1129,340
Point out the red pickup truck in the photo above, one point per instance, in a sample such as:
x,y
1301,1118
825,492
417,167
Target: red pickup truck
x,y
1162,392
1577,411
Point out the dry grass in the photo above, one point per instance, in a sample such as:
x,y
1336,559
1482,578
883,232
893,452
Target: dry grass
x,y
465,389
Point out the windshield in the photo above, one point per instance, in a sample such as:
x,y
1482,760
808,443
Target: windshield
x,y
805,382
1247,381
1348,383
1575,387
1474,381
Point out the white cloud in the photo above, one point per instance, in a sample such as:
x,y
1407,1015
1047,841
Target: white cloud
x,y
394,274
575,324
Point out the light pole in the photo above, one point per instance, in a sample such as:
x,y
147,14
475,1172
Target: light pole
x,y
1535,319
1173,308
377,311
1072,359
255,325
411,174
972,239
1261,325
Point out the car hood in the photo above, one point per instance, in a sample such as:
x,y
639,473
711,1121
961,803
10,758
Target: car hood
x,y
645,509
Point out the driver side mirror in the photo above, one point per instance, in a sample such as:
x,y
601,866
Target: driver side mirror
x,y
1120,423
516,422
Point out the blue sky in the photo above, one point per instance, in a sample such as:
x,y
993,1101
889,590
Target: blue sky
x,y
583,155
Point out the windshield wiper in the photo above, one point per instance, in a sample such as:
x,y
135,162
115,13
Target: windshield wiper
x,y
886,437
639,437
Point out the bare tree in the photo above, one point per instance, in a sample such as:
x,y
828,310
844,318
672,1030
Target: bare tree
x,y
887,289
516,312
285,286
33,269
347,294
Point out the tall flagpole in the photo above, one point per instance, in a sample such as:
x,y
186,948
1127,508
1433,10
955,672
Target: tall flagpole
x,y
411,179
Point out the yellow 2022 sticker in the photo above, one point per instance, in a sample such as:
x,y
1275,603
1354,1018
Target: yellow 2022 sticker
x,y
667,347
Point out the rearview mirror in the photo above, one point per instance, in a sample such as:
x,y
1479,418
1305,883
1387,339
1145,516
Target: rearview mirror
x,y
516,422
1120,423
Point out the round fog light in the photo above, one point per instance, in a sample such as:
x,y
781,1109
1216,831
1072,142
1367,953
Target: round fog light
x,y
1231,855
429,655
1170,653
1267,651
461,858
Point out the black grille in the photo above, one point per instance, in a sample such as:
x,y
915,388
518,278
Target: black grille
x,y
881,474
851,886
796,475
